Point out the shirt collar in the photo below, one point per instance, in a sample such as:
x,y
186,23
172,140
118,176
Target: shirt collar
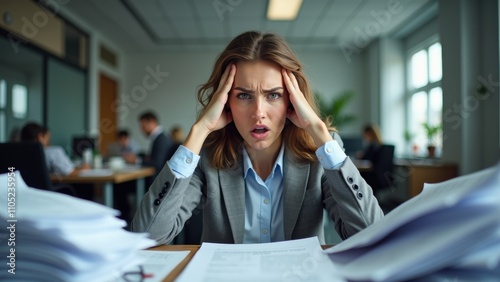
x,y
247,163
157,131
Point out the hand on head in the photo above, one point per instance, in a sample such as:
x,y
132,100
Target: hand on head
x,y
302,114
215,116
299,112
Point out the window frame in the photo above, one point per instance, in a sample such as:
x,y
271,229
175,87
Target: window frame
x,y
410,90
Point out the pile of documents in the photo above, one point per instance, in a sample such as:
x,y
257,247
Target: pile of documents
x,y
449,232
55,237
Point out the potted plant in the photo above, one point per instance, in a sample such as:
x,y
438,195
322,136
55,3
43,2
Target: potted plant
x,y
408,136
335,109
431,131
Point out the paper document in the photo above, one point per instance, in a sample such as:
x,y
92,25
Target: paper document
x,y
159,264
296,260
56,237
450,227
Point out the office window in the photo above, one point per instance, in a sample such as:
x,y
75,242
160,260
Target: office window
x,y
19,101
425,101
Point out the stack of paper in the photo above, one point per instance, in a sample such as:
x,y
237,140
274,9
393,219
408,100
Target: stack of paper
x,y
294,260
48,236
451,230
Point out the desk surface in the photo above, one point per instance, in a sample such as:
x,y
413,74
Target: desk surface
x,y
363,165
193,248
117,177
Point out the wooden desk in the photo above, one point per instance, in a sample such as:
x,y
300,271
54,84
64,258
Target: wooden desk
x,y
180,267
128,174
362,165
423,171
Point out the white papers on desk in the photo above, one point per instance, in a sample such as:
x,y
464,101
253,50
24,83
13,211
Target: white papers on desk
x,y
159,264
63,238
296,260
452,227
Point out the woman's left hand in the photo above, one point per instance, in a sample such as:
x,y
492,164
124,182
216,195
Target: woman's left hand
x,y
301,114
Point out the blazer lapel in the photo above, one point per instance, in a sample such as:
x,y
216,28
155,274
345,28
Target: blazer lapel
x,y
233,192
295,177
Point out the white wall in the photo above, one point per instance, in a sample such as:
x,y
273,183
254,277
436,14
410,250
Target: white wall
x,y
469,36
392,94
331,73
174,96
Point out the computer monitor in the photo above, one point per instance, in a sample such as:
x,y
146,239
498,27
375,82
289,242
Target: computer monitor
x,y
80,143
352,144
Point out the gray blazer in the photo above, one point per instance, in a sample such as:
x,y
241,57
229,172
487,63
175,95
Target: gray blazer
x,y
308,189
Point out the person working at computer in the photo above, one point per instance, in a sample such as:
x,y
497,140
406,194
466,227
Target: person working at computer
x,y
57,160
125,147
373,141
259,159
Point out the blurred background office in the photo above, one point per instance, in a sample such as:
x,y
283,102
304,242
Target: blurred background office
x,y
425,71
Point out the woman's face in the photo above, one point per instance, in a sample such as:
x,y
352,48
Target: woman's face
x,y
44,138
258,101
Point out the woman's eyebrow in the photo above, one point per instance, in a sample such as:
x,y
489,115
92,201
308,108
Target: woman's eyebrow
x,y
273,89
265,91
244,89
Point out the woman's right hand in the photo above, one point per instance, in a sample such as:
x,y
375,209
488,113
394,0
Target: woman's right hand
x,y
214,116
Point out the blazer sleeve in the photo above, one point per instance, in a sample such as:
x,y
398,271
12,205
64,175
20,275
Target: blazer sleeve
x,y
349,200
168,204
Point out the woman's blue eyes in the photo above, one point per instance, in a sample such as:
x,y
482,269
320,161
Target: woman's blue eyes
x,y
243,96
274,95
271,96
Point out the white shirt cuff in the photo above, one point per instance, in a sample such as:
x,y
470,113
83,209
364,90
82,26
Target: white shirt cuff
x,y
183,162
331,155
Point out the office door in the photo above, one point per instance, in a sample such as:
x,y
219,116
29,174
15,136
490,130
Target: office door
x,y
108,94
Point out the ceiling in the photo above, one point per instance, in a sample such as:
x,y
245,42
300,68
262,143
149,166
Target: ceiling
x,y
146,25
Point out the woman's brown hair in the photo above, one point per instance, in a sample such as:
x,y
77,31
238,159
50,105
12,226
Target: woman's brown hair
x,y
224,145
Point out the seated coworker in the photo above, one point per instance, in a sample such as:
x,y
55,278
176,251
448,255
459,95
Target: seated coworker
x,y
259,160
127,147
57,160
372,140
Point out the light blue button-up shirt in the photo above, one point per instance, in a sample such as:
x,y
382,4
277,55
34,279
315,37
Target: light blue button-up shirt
x,y
263,203
263,199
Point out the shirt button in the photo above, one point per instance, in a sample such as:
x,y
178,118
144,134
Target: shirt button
x,y
349,179
266,201
157,202
189,160
328,150
264,231
360,195
355,186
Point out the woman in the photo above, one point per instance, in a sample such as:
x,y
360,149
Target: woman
x,y
372,140
251,159
55,157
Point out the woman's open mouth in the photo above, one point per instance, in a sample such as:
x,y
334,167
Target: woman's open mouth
x,y
259,132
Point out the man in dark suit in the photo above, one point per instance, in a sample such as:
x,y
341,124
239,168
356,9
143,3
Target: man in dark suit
x,y
160,145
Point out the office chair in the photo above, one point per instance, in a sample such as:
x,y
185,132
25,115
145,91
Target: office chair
x,y
381,177
384,166
29,159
